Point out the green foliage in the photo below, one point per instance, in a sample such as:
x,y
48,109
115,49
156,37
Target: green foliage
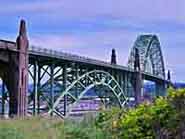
x,y
107,121
177,101
10,133
40,128
34,128
164,118
147,120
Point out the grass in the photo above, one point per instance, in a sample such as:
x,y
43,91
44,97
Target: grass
x,y
34,128
42,128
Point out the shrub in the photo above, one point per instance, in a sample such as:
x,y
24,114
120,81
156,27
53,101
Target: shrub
x,y
164,118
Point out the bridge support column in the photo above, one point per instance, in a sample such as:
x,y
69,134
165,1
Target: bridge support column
x,y
39,89
160,89
138,77
76,78
35,88
52,86
121,81
126,82
65,86
113,57
3,100
17,75
138,87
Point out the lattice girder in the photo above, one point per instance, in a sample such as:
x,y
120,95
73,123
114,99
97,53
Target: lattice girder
x,y
149,49
93,78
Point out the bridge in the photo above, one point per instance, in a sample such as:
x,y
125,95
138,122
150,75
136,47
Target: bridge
x,y
60,80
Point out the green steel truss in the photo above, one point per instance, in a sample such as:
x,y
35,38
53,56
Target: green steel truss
x,y
86,82
151,58
59,86
59,81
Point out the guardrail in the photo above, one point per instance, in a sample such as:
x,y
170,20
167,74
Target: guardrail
x,y
53,53
63,55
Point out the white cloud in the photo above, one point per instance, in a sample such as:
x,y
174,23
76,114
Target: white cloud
x,y
97,43
140,9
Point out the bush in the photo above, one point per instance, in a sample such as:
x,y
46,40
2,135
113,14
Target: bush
x,y
164,118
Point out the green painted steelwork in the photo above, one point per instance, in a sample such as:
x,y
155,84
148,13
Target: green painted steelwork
x,y
106,80
150,53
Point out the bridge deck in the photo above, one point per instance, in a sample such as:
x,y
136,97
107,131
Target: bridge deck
x,y
35,51
52,54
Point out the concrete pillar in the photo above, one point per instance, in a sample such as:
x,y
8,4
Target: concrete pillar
x,y
3,99
138,87
169,75
169,84
18,74
138,77
113,57
22,45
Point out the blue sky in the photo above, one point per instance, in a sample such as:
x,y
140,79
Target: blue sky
x,y
93,27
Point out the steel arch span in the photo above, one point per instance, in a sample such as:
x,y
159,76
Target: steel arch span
x,y
86,82
151,58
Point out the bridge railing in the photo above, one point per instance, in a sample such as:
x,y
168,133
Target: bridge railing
x,y
69,56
